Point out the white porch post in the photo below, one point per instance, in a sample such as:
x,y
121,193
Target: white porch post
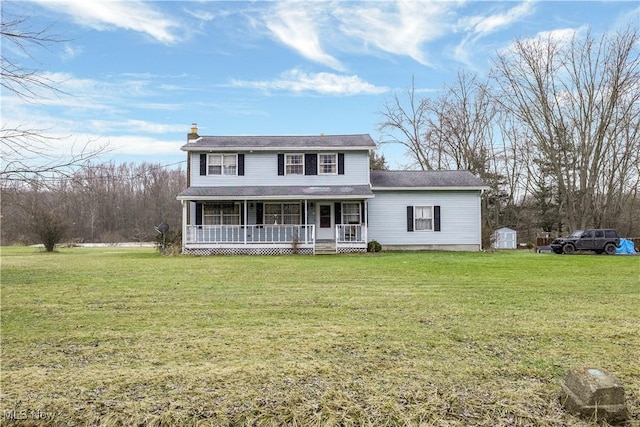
x,y
366,216
245,214
184,223
306,218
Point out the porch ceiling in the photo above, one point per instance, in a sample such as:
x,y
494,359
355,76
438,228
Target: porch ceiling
x,y
280,192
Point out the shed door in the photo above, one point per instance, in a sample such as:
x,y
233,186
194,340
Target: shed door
x,y
509,240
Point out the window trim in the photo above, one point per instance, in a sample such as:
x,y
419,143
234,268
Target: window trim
x,y
222,164
430,209
219,207
281,215
287,164
334,164
343,215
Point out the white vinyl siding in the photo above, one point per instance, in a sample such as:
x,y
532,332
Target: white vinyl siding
x,y
459,217
261,168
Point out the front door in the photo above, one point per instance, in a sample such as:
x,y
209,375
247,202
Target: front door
x,y
324,222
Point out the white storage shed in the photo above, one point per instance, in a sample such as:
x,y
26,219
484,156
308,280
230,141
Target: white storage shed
x,y
505,238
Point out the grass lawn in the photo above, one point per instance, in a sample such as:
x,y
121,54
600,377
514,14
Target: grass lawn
x,y
123,336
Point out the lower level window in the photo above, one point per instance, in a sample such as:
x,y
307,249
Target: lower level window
x,y
282,213
423,217
351,213
221,214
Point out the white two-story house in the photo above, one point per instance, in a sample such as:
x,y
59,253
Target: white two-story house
x,y
311,194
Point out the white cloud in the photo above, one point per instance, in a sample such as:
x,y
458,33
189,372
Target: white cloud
x,y
478,27
324,83
295,25
562,36
484,25
129,15
400,28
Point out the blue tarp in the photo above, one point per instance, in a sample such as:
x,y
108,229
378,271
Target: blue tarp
x,y
626,247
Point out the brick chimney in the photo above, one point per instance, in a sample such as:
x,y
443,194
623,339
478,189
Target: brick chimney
x,y
194,132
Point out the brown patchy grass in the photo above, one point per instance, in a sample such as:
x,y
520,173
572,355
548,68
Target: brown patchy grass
x,y
113,337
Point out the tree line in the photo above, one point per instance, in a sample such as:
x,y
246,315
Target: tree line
x,y
553,129
106,203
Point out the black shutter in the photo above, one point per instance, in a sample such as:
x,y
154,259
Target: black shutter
x,y
241,213
362,221
340,163
241,164
311,164
337,211
409,218
203,164
259,213
280,164
436,218
198,213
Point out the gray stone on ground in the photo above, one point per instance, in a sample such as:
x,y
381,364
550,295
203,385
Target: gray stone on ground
x,y
594,394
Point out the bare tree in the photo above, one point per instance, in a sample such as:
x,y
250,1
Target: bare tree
x,y
30,153
405,123
460,126
579,101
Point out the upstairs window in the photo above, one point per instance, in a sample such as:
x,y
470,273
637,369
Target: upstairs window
x,y
328,164
294,164
222,164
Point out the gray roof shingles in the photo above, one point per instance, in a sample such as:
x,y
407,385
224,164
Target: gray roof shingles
x,y
320,142
425,179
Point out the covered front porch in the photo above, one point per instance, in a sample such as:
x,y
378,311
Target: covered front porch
x,y
276,223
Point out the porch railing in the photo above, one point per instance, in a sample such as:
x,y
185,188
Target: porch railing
x,y
350,233
249,234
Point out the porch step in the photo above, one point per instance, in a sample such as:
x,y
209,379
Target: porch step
x,y
325,248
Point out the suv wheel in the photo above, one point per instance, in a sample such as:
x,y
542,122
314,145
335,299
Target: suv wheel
x,y
568,249
610,249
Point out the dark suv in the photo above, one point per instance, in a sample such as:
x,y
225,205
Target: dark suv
x,y
598,240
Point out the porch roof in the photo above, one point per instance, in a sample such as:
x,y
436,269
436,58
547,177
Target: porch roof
x,y
277,192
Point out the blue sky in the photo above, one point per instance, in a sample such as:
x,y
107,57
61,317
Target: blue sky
x,y
136,74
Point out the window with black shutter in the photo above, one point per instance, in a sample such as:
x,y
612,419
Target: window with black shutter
x,y
203,164
259,213
241,164
311,164
280,164
198,213
409,218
